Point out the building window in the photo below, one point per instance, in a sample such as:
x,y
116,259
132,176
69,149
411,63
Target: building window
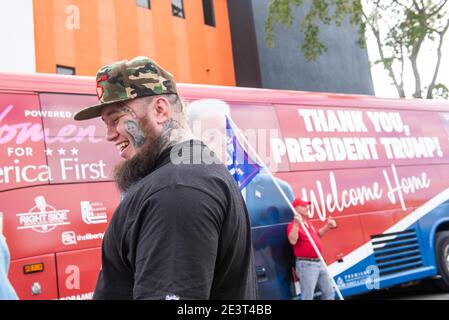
x,y
65,70
144,3
177,7
209,14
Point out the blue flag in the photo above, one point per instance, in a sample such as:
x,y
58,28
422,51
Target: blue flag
x,y
239,164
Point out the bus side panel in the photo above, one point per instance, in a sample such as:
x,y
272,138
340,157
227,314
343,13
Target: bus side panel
x,y
73,214
369,229
260,124
77,150
269,214
323,138
36,285
22,156
257,121
78,273
274,259
48,219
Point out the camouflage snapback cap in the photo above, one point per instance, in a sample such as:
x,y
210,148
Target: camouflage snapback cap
x,y
127,80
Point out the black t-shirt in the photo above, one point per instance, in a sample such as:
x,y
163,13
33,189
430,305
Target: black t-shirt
x,y
181,232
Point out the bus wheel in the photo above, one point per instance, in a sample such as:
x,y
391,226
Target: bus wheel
x,y
442,257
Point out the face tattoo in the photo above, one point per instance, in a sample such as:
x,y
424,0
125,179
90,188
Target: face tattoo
x,y
136,133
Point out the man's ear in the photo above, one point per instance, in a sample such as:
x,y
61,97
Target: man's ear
x,y
161,110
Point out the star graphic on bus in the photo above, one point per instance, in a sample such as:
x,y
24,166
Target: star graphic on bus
x,y
74,151
61,151
48,152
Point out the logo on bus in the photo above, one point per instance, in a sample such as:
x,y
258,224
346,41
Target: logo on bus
x,y
43,217
69,238
93,212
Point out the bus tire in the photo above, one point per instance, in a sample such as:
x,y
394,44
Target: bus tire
x,y
442,258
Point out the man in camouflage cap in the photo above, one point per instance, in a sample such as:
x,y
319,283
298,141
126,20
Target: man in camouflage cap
x,y
143,97
182,230
127,80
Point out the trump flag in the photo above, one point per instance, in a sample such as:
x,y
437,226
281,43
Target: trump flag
x,y
239,164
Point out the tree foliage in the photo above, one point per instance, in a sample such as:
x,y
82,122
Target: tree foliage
x,y
399,27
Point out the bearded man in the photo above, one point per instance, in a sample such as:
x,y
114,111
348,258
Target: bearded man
x,y
181,230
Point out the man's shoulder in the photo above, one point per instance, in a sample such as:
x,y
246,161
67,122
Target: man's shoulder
x,y
209,177
176,202
169,178
197,175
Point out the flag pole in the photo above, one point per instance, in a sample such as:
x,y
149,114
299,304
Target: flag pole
x,y
239,133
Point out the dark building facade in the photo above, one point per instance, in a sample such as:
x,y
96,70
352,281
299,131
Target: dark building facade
x,y
344,68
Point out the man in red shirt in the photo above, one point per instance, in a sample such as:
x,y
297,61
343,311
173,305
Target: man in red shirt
x,y
311,272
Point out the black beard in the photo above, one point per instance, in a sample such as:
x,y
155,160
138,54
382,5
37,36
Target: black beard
x,y
142,164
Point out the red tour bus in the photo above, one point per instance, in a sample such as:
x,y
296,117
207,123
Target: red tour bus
x,y
379,167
